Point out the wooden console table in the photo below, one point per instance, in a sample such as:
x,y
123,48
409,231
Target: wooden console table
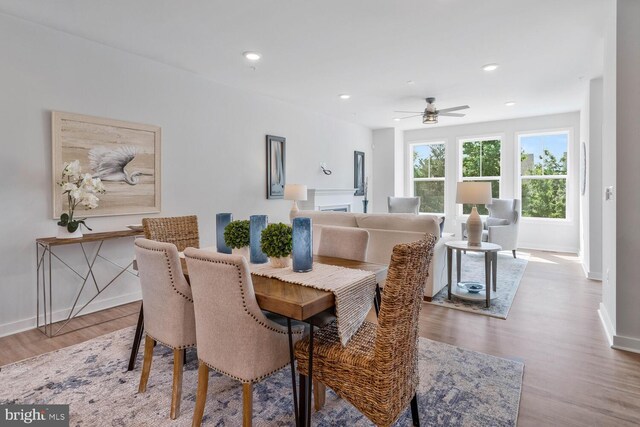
x,y
44,282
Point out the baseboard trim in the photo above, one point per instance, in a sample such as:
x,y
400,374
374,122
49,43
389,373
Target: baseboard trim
x,y
606,323
562,249
626,344
590,274
30,323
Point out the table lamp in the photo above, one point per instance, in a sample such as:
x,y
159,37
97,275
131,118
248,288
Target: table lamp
x,y
474,193
295,192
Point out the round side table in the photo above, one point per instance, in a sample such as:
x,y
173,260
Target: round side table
x,y
490,251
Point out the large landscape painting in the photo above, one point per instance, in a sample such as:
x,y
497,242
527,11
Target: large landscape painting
x,y
125,156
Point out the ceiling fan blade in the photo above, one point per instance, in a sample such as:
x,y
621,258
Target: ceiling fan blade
x,y
408,117
452,114
447,110
410,112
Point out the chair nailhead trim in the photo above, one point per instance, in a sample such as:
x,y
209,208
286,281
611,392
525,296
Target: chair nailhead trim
x,y
253,380
180,347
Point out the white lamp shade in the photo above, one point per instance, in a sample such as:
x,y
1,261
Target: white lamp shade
x,y
295,192
474,193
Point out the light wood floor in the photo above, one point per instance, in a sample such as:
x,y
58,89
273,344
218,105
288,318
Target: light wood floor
x,y
572,377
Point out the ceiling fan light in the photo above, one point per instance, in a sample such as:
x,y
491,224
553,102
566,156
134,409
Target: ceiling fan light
x,y
430,118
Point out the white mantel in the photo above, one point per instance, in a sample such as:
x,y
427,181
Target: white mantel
x,y
323,199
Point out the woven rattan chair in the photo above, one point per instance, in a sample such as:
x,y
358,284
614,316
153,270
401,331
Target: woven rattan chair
x,y
234,337
168,310
182,231
377,372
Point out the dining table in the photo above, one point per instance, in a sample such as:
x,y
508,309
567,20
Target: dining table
x,y
293,302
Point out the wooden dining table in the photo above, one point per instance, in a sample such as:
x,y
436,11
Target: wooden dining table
x,y
294,302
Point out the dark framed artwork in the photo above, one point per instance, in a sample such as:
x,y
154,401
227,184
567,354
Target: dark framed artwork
x,y
358,172
276,162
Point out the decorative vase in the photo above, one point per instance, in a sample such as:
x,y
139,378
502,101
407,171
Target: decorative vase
x,y
302,245
63,233
474,228
280,262
222,220
257,223
243,251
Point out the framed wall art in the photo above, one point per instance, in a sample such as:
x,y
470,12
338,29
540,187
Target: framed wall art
x,y
276,163
358,172
124,155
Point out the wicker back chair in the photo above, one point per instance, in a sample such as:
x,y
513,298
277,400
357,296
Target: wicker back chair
x,y
182,231
377,372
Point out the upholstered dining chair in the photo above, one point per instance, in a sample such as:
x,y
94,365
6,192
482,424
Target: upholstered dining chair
x,y
182,231
501,226
377,371
168,310
344,242
403,204
234,337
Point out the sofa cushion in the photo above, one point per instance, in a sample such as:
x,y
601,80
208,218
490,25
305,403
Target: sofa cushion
x,y
400,222
339,219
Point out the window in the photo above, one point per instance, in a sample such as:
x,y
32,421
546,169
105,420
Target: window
x,y
543,174
427,176
481,162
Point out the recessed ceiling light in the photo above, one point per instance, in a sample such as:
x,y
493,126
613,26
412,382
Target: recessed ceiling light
x,y
344,96
252,56
510,103
397,119
490,67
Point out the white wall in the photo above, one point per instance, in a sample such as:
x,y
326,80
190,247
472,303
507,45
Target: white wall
x,y
558,235
591,201
213,149
383,164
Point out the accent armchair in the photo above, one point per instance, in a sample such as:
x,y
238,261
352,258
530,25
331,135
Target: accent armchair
x,y
501,226
404,204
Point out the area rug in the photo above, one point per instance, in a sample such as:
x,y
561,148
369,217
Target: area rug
x,y
457,388
510,272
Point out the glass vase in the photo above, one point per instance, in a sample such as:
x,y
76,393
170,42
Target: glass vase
x,y
222,220
257,223
302,245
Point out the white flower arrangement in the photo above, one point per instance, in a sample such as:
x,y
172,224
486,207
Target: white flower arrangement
x,y
81,189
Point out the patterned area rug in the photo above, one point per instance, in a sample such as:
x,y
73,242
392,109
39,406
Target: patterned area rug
x,y
457,388
510,272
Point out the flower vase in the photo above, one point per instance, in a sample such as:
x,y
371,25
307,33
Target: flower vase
x,y
280,262
257,223
222,220
63,233
243,251
302,245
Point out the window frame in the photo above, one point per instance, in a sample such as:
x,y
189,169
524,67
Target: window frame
x,y
568,177
412,180
460,178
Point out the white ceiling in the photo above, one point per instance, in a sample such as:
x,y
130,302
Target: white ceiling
x,y
314,50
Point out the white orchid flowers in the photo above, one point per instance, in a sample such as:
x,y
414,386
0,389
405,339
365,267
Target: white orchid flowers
x,y
81,189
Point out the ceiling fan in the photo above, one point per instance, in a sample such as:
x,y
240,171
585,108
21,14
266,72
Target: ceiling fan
x,y
431,113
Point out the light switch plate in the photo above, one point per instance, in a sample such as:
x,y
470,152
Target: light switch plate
x,y
608,193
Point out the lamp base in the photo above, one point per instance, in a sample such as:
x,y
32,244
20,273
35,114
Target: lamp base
x,y
294,210
474,228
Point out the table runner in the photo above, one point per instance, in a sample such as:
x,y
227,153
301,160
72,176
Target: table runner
x,y
353,290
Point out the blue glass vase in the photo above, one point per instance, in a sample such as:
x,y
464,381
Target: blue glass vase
x,y
222,220
257,223
302,253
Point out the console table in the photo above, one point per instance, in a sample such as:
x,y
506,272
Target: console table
x,y
44,282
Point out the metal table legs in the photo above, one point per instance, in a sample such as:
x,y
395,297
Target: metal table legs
x,y
490,272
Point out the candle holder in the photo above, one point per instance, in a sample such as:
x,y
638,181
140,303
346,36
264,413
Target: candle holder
x,y
257,223
222,220
302,254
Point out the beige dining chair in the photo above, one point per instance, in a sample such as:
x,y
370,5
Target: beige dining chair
x,y
234,337
344,242
168,310
377,371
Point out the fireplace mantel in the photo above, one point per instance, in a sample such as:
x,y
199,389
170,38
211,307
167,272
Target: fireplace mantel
x,y
329,199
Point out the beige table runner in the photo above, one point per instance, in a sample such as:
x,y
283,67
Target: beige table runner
x,y
353,290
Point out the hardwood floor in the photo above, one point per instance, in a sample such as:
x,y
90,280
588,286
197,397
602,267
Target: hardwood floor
x,y
572,377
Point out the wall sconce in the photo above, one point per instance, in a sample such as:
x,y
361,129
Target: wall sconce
x,y
326,171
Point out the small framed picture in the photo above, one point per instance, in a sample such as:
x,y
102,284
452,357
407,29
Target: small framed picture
x,y
358,172
276,162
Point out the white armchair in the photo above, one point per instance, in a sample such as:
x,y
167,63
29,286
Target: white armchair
x,y
501,226
404,204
